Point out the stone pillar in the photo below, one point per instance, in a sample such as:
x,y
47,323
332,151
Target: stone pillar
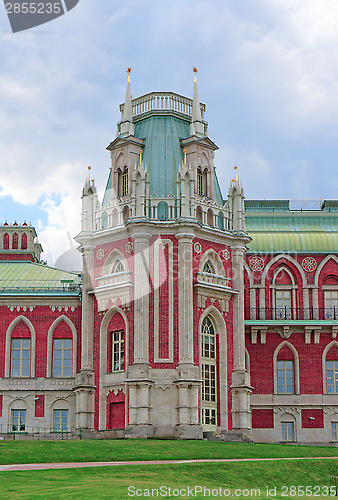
x,y
84,381
188,382
240,378
138,382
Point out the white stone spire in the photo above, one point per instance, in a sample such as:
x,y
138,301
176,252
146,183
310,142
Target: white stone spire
x,y
197,125
127,126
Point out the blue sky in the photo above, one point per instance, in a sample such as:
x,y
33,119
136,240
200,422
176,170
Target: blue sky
x,y
267,72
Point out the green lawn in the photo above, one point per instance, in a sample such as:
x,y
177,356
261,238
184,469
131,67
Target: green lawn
x,y
113,482
14,452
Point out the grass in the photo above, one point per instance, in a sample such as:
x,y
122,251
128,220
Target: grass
x,y
14,452
112,482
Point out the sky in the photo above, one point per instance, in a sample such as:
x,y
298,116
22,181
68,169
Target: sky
x,y
267,72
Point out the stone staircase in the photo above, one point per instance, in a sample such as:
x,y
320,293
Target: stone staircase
x,y
228,437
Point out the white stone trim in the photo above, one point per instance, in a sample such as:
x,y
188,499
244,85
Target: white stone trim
x,y
221,332
8,345
50,344
326,350
109,262
103,358
296,366
170,276
291,260
321,265
215,259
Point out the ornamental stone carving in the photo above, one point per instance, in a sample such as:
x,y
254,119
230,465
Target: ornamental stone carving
x,y
309,264
256,264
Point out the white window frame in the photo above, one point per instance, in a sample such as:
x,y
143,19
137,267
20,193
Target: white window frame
x,y
334,369
282,372
331,303
209,367
295,366
21,350
63,350
21,413
118,348
288,431
334,430
60,418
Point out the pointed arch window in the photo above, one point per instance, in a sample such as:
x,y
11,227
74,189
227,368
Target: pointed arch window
x,y
118,267
6,241
209,373
24,241
285,376
124,182
208,267
21,357
15,241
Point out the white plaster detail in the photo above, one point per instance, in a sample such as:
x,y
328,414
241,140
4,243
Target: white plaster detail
x,y
256,264
197,247
309,264
226,254
129,247
100,253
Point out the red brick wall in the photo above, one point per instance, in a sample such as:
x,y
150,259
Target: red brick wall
x,y
40,405
262,418
315,422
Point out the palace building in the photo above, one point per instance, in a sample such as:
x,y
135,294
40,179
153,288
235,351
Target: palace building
x,y
195,314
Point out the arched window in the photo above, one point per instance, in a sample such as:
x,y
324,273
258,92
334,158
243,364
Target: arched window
x,y
286,369
15,241
209,373
123,182
210,218
220,221
208,267
125,214
21,357
162,210
288,425
284,292
202,181
104,220
6,241
331,366
117,267
199,214
24,241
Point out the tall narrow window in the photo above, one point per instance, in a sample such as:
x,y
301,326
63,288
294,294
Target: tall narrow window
x,y
15,241
21,357
62,357
18,420
118,351
332,377
209,375
331,304
288,431
24,241
124,190
285,377
60,418
334,431
283,304
6,241
200,190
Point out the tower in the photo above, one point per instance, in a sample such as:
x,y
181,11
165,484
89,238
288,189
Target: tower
x,y
163,279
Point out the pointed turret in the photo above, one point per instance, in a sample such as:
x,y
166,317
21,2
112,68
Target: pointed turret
x,y
236,204
89,204
197,124
126,124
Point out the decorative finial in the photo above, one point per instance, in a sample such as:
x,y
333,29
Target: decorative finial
x,y
140,151
128,71
89,169
195,73
235,179
185,156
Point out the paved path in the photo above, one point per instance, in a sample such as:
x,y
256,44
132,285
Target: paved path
x,y
73,465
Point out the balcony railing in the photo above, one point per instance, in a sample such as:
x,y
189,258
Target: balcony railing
x,y
296,313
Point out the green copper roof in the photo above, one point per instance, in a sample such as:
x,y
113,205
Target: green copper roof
x,y
306,232
30,278
162,150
